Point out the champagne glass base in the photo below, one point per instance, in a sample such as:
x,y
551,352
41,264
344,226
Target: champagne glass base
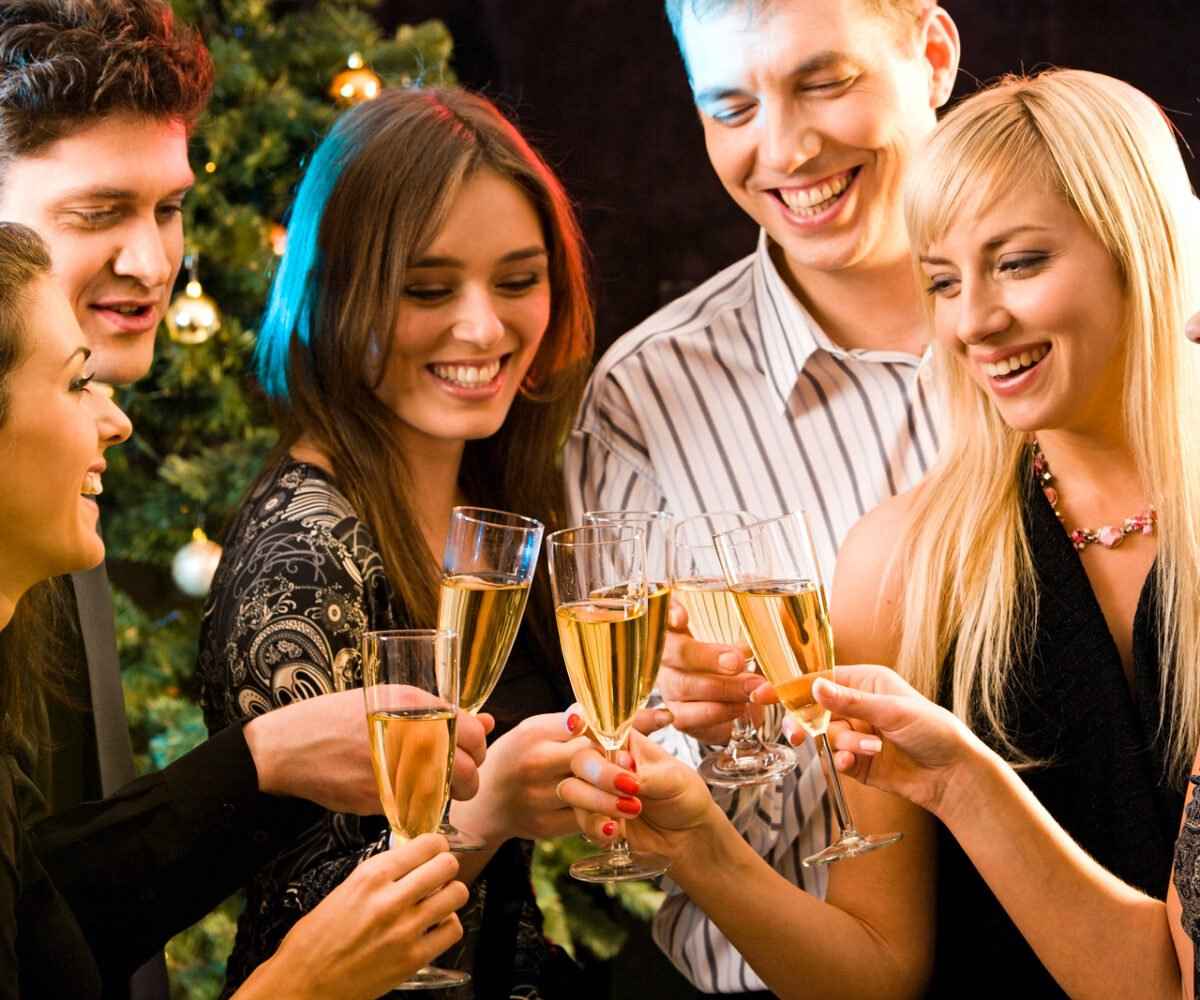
x,y
460,841
433,978
851,846
766,764
612,867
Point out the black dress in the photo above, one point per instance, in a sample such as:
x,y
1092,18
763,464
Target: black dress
x,y
1105,782
89,894
300,580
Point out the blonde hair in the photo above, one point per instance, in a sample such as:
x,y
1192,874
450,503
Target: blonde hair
x,y
969,602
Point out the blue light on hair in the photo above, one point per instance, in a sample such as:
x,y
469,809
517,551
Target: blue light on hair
x,y
289,308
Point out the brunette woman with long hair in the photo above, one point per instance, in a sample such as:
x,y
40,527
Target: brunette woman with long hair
x,y
425,345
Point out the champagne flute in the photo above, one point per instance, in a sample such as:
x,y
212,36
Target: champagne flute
x,y
771,567
598,575
487,569
410,682
659,527
698,583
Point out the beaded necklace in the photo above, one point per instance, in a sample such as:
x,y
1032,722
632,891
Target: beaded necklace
x,y
1108,535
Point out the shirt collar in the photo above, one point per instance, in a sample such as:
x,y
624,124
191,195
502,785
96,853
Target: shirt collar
x,y
790,334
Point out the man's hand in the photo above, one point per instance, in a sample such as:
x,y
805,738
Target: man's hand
x,y
318,749
706,686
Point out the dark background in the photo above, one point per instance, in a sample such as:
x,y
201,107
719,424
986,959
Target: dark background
x,y
599,88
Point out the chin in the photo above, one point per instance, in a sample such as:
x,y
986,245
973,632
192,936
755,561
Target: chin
x,y
123,364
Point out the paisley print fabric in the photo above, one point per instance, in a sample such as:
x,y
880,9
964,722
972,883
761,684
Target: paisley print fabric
x,y
299,582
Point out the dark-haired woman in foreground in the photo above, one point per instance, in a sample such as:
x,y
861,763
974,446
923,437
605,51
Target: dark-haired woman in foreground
x,y
70,923
425,346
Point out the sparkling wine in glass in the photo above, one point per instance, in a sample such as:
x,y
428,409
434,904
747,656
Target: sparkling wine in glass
x,y
598,574
487,569
660,529
410,683
698,583
771,567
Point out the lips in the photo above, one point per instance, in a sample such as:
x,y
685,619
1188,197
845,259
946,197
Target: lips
x,y
128,315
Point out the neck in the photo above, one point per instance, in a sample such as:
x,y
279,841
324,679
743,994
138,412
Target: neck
x,y
1096,476
876,307
434,466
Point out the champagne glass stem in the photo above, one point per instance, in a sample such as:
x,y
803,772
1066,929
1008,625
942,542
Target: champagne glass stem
x,y
841,810
620,856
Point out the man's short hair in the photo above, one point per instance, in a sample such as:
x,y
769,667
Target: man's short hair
x,y
67,64
905,15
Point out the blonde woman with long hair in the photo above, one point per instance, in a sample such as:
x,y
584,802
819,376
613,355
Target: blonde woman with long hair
x,y
1040,583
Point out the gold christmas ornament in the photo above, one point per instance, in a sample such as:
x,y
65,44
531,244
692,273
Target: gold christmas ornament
x,y
195,564
355,84
192,317
277,237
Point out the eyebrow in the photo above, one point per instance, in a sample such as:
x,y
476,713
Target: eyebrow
x,y
104,193
814,64
75,353
525,253
996,241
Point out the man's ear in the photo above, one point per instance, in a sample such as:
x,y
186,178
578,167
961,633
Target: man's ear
x,y
941,48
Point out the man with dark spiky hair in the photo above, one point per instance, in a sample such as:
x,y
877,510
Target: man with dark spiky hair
x,y
97,99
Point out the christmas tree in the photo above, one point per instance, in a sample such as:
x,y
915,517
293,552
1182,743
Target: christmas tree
x,y
201,430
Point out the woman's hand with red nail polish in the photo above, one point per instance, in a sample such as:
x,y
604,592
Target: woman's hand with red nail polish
x,y
663,807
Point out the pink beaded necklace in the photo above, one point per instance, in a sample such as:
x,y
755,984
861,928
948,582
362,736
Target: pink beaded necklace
x,y
1109,535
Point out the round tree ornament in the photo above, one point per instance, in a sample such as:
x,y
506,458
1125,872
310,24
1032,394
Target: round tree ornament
x,y
355,84
195,564
192,317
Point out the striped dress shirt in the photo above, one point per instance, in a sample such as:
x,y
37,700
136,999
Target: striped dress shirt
x,y
732,397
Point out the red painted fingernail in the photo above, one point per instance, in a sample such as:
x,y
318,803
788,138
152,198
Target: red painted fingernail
x,y
573,721
609,828
626,784
629,806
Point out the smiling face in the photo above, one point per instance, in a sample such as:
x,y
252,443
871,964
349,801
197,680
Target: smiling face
x,y
476,306
51,446
811,109
1031,302
107,201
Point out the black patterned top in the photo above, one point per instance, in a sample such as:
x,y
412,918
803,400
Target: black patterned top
x,y
1071,706
300,580
1187,877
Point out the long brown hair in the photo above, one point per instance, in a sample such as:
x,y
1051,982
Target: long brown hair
x,y
375,195
27,656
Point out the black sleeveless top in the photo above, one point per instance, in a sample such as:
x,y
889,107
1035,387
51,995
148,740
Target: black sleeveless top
x,y
1072,706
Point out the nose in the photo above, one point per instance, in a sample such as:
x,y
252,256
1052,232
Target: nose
x,y
143,255
476,320
112,426
981,312
787,141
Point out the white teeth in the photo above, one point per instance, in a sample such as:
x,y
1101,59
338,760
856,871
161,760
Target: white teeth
x,y
92,487
1017,361
469,376
127,310
814,200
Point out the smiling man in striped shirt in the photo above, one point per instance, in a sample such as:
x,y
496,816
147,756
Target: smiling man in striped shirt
x,y
793,378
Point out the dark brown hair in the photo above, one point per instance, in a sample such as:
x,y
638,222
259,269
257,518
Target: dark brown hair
x,y
376,194
27,659
66,64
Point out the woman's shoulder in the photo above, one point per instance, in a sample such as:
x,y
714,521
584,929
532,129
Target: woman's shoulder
x,y
868,582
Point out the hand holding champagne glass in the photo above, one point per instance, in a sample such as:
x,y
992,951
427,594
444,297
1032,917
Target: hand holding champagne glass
x,y
410,683
771,567
698,583
598,574
487,569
